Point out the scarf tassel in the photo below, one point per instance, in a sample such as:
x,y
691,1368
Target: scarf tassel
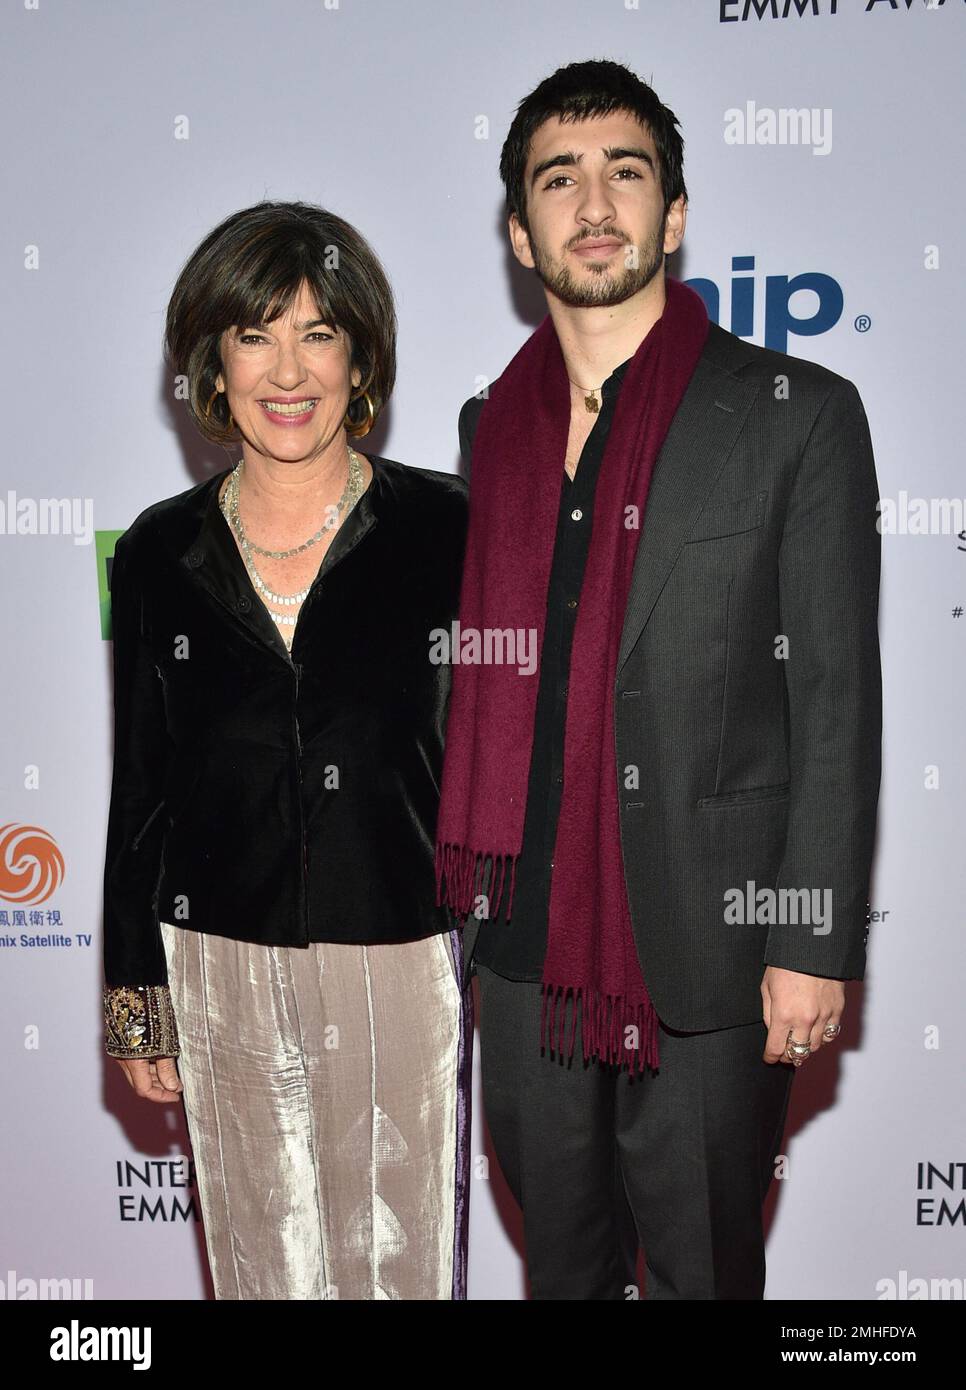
x,y
460,873
604,1021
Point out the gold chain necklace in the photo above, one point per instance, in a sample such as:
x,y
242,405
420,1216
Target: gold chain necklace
x,y
590,400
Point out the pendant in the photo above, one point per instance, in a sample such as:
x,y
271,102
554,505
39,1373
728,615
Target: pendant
x,y
592,404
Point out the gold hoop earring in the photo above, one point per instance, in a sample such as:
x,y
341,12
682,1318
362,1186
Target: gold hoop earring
x,y
357,431
231,422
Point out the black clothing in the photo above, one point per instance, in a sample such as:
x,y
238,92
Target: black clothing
x,y
274,797
736,771
735,767
683,1156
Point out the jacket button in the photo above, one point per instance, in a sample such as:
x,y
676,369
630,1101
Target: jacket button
x,y
195,557
244,603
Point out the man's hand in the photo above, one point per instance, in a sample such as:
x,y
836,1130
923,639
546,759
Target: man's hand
x,y
152,1078
802,1004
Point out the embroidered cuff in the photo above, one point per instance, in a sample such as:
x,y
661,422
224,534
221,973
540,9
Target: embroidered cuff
x,y
139,1021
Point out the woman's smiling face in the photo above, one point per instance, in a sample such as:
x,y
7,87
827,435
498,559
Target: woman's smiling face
x,y
288,382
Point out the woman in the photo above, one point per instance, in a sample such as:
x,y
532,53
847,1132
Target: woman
x,y
270,903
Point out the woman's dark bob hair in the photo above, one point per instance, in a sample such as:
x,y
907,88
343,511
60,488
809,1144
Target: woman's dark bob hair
x,y
248,271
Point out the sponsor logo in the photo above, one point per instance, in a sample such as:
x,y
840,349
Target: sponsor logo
x,y
817,309
31,864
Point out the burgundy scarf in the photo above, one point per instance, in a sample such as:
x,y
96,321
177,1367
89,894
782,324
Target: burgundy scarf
x,y
515,484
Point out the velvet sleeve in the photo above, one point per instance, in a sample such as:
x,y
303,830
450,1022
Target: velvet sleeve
x,y
137,1007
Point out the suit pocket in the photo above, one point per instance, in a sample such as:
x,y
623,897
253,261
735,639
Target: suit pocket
x,y
777,791
729,518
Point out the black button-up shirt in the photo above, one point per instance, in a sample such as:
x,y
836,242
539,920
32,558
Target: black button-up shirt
x,y
516,949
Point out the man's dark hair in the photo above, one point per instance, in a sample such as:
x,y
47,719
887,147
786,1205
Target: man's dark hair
x,y
576,92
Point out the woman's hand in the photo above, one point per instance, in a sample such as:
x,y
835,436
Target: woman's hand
x,y
152,1078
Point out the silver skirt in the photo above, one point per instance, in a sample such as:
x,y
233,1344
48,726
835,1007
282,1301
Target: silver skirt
x,y
326,1096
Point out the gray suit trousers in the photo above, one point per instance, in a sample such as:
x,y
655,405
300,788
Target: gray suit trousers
x,y
678,1160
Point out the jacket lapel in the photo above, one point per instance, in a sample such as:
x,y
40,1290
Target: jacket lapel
x,y
703,433
212,562
208,555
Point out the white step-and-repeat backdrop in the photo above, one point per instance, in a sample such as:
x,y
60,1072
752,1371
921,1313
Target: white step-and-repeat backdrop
x,y
823,144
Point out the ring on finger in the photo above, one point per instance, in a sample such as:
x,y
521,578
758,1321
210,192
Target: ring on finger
x,y
796,1051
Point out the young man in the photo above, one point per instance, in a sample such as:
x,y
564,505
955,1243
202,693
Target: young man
x,y
662,837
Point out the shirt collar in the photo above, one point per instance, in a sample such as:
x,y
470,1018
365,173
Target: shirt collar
x,y
613,383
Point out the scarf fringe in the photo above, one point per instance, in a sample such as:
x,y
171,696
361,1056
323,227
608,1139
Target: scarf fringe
x,y
459,878
604,1019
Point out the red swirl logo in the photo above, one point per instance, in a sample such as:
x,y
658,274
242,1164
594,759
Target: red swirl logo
x,y
31,865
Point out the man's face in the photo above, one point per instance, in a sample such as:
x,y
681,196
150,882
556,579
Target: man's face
x,y
598,228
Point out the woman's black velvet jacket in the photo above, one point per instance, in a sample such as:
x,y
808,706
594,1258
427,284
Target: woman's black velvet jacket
x,y
269,797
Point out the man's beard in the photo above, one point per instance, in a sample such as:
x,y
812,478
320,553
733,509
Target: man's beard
x,y
606,286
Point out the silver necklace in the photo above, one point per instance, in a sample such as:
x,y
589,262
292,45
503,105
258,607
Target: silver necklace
x,y
229,506
350,495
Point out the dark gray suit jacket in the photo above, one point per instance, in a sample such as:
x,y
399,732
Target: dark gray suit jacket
x,y
738,767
